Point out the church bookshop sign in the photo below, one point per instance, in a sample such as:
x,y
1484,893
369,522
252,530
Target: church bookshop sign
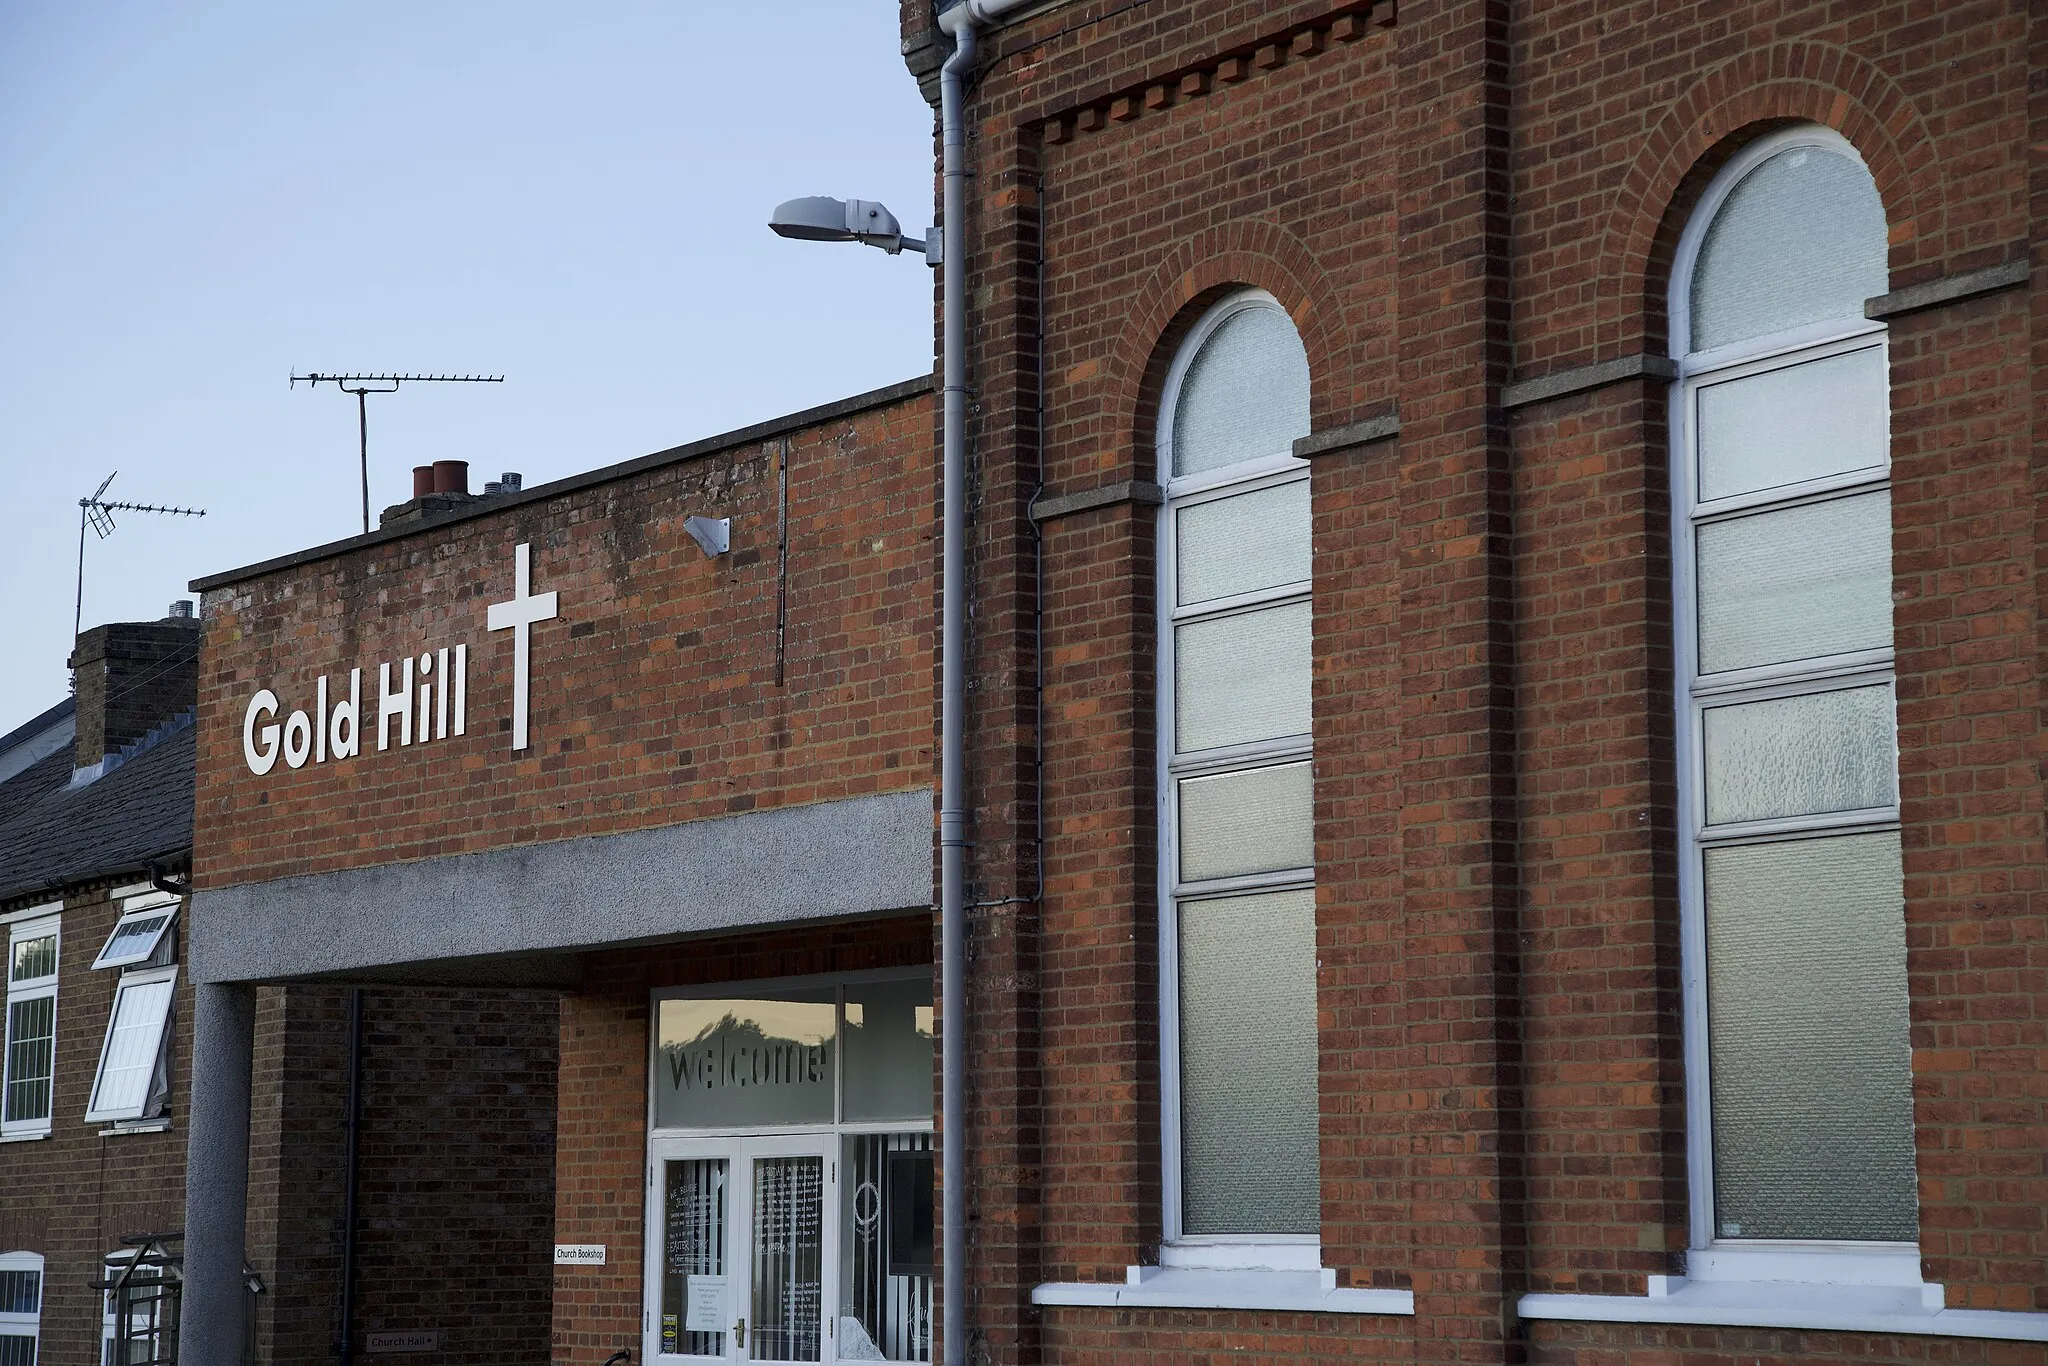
x,y
419,699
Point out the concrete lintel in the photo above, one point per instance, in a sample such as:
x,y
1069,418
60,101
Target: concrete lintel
x,y
1357,434
1948,290
481,912
1579,379
1044,509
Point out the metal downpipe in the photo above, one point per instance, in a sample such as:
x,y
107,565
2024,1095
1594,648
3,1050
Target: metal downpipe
x,y
952,711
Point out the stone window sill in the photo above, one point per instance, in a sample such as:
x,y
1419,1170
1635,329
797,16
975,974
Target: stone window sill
x,y
35,1136
1787,1304
136,1126
1152,1287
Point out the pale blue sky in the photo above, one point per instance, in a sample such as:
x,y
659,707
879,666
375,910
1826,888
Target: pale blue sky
x,y
197,200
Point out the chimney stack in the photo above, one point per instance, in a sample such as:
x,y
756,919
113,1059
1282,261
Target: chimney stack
x,y
129,678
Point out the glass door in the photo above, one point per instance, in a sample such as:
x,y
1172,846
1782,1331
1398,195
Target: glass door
x,y
689,1236
742,1249
790,1246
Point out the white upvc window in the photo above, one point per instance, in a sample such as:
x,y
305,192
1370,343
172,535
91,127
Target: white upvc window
x,y
143,935
133,1080
21,1307
1241,1172
28,1064
1798,1059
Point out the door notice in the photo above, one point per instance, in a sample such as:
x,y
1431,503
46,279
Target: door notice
x,y
706,1305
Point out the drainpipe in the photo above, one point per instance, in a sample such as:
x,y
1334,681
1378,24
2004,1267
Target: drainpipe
x,y
952,709
962,22
350,1159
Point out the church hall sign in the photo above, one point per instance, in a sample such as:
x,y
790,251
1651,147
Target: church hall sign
x,y
420,698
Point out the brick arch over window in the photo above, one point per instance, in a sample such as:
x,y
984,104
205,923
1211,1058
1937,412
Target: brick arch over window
x,y
1195,272
1787,82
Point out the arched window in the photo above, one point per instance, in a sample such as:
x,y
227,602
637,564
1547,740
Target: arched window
x,y
21,1307
1798,1059
1237,847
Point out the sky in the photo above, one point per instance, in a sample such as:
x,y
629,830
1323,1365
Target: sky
x,y
199,200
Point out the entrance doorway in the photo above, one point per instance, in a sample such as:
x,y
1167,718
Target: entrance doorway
x,y
789,1181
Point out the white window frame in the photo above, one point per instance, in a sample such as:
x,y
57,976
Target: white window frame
x,y
139,908
29,1326
37,988
1711,1257
94,1114
1244,1251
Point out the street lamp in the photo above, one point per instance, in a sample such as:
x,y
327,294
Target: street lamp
x,y
821,218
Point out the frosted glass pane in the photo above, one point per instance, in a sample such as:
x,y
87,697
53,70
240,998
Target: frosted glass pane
x,y
1828,751
1802,422
130,1060
1796,583
1242,677
1249,1156
1812,1065
745,1061
888,1035
1238,545
1800,240
1244,396
1250,822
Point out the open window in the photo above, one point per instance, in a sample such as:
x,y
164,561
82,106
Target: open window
x,y
133,1080
143,937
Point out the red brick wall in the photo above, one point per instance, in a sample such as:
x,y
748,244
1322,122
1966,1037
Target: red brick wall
x,y
656,694
600,1184
1470,194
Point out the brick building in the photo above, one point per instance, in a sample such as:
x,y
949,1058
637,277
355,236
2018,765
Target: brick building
x,y
95,836
1504,727
95,847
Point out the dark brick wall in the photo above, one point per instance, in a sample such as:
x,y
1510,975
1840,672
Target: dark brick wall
x,y
75,1195
456,1170
457,1164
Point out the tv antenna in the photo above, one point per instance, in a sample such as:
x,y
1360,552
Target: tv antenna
x,y
98,512
364,385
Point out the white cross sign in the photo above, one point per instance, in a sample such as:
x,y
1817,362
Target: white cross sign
x,y
519,615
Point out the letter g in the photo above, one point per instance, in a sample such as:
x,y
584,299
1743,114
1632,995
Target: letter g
x,y
260,761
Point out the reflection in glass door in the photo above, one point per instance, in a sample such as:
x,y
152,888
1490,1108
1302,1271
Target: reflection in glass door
x,y
692,1227
744,1246
786,1252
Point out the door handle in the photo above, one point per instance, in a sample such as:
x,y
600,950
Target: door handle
x,y
739,1332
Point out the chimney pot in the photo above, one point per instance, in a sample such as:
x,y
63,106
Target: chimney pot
x,y
422,480
509,481
451,476
181,610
